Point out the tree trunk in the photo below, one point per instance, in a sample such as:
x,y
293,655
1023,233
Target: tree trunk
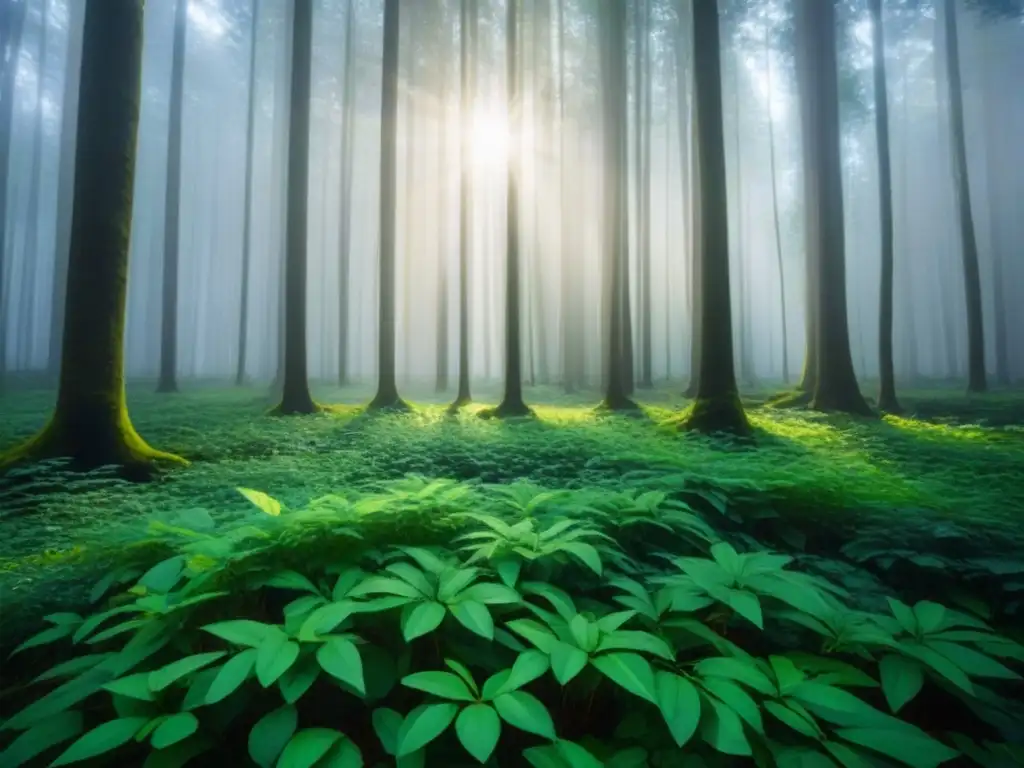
x,y
993,159
835,383
644,220
775,208
976,379
169,316
387,385
348,109
243,320
90,423
717,407
441,51
570,376
886,372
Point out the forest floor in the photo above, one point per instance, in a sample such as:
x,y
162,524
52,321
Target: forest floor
x,y
933,498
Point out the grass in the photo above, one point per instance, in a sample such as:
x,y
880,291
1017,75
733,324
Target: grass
x,y
960,462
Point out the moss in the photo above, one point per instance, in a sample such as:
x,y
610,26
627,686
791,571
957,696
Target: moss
x,y
716,414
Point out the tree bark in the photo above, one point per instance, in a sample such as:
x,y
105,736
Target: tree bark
x,y
775,208
90,423
243,320
443,41
348,109
644,194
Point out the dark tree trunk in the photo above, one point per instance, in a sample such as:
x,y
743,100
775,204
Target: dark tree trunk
x,y
717,407
90,423
387,385
976,379
644,197
835,383
570,375
992,143
775,209
443,40
169,316
886,372
348,109
243,320
295,397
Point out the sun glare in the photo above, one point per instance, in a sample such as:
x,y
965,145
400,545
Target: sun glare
x,y
490,139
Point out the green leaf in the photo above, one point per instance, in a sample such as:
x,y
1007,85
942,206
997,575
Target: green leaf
x,y
270,735
747,605
274,657
566,661
382,585
508,571
534,632
838,706
307,746
263,502
904,615
73,666
907,745
679,702
738,700
971,661
636,641
423,725
296,681
475,617
576,756
630,671
452,581
798,721
528,666
741,670
445,685
387,723
102,739
326,618
787,674
902,679
525,712
230,676
634,757
848,757
36,740
723,730
241,631
340,657
490,594
929,616
585,553
412,576
462,672
163,576
939,664
478,728
421,619
48,635
174,729
133,686
344,754
165,676
292,580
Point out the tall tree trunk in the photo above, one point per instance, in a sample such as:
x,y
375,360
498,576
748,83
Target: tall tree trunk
x,y
835,383
976,378
644,220
886,372
570,375
387,385
90,423
993,158
512,401
348,109
65,181
717,407
169,316
243,320
295,397
467,62
775,207
441,378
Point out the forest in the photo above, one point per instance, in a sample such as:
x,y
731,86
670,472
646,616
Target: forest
x,y
551,383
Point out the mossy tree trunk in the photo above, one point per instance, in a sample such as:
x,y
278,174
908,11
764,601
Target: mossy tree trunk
x,y
387,384
835,383
886,371
717,407
243,319
90,423
295,396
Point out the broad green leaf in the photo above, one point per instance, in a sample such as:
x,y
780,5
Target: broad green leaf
x,y
445,685
102,739
534,632
326,618
230,676
566,661
262,501
174,729
382,585
939,664
576,756
838,706
723,730
630,671
344,754
528,666
460,669
478,728
165,676
798,721
584,633
585,553
453,581
73,666
634,757
270,735
741,670
340,657
904,615
241,631
133,686
970,661
296,681
163,576
48,635
679,702
787,674
490,594
747,605
508,571
475,617
525,712
902,679
292,580
848,757
613,621
36,740
347,579
412,576
909,746
426,559
421,619
727,558
307,746
738,700
930,616
386,724
274,657
195,696
423,725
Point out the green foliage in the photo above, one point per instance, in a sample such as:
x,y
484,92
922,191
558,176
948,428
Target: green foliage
x,y
443,654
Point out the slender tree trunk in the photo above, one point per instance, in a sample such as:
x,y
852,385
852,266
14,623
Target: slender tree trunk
x,y
90,423
835,384
348,109
243,320
441,378
717,407
996,232
976,378
644,222
775,208
387,385
886,372
570,376
169,317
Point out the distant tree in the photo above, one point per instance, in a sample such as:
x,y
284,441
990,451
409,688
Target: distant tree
x,y
295,397
643,120
250,121
834,381
717,407
169,316
387,385
442,41
348,111
90,423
